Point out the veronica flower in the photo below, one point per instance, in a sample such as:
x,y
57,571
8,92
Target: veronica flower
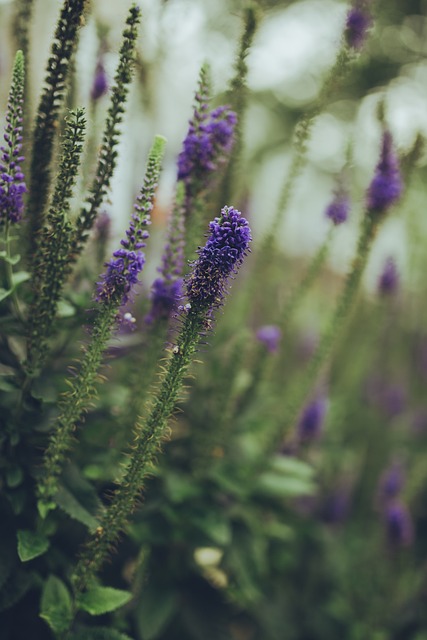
x,y
358,22
269,335
222,254
12,184
311,421
338,209
388,281
391,483
398,525
100,82
386,186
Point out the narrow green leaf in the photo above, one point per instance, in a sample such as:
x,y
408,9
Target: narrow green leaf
x,y
19,277
278,486
290,466
68,503
4,293
31,545
155,611
99,600
56,605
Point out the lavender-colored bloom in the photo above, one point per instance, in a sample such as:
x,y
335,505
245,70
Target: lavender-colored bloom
x,y
100,82
165,295
398,525
391,483
269,335
388,281
208,141
311,420
336,506
357,24
12,184
339,208
222,254
386,186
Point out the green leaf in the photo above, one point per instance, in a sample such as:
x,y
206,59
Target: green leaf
x,y
281,486
4,293
156,608
99,600
65,310
31,545
19,277
98,633
56,605
292,467
15,588
72,506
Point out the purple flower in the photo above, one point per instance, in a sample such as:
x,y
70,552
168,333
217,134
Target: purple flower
x,y
100,82
336,506
222,254
12,185
398,525
357,24
165,295
121,275
209,140
339,208
311,421
386,186
269,335
388,281
391,483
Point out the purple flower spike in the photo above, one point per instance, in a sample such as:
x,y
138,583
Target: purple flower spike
x,y
121,275
388,281
209,139
311,422
100,82
391,483
358,22
12,185
399,526
222,254
269,335
386,186
339,208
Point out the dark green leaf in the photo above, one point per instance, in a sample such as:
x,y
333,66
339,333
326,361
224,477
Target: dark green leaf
x,y
70,505
154,611
15,588
31,545
98,633
99,600
56,605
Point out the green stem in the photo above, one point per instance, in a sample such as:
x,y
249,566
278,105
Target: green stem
x,y
9,274
148,439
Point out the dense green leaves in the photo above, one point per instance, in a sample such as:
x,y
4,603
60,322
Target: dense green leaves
x,y
56,605
31,545
99,600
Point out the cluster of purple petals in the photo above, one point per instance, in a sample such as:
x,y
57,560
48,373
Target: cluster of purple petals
x,y
209,139
100,82
388,281
386,186
398,525
339,208
222,254
12,185
269,335
358,22
120,276
165,295
310,424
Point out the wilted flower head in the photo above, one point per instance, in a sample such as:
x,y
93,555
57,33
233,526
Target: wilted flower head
x,y
100,82
269,335
386,186
339,208
398,525
311,421
388,281
222,254
12,185
358,22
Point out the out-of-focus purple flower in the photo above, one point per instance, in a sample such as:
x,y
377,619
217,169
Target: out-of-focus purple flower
x,y
359,20
311,421
165,295
209,140
386,186
339,208
391,483
12,181
222,254
100,82
103,226
269,335
336,506
388,282
398,525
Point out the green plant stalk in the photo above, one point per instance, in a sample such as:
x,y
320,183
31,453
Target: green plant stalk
x,y
9,273
45,130
51,265
147,443
108,153
73,406
302,387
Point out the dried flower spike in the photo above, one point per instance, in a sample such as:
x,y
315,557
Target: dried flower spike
x,y
12,185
